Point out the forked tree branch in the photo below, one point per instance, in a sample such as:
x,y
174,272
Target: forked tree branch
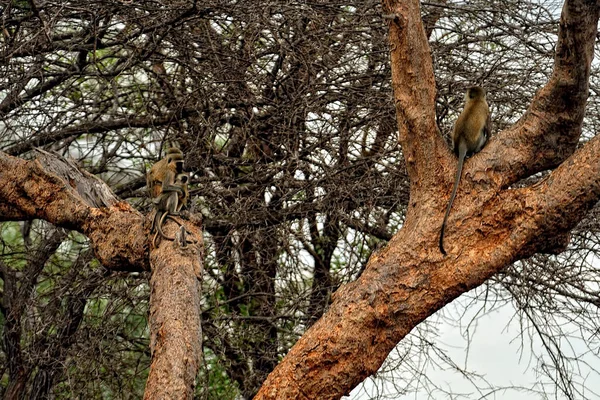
x,y
409,280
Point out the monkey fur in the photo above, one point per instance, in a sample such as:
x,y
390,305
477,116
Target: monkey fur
x,y
471,131
167,167
168,204
180,237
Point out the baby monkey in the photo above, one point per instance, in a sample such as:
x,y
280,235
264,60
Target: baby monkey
x,y
470,134
168,204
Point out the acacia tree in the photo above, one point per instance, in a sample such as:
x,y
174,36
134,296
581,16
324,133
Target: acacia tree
x,y
286,117
409,280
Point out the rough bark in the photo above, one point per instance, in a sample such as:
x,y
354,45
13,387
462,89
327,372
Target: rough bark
x,y
491,225
53,188
175,330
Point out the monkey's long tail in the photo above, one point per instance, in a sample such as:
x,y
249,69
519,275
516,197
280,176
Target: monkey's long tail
x,y
461,159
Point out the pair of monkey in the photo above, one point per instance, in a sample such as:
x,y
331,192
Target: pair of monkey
x,y
471,131
168,187
168,184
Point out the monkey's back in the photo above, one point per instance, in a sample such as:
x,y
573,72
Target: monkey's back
x,y
470,124
155,177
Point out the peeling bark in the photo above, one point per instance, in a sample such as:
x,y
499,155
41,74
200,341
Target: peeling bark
x,y
55,189
491,227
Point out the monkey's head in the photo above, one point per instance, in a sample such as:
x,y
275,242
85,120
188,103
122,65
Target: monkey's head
x,y
176,160
174,150
475,92
183,178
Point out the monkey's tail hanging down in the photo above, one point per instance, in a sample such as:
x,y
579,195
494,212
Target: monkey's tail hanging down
x,y
462,153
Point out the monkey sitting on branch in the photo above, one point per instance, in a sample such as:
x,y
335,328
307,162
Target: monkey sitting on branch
x,y
171,165
168,204
471,131
168,187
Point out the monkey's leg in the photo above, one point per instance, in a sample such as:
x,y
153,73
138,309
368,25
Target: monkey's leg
x,y
180,236
154,240
170,216
154,220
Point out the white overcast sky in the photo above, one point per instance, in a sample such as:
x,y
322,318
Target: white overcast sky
x,y
495,352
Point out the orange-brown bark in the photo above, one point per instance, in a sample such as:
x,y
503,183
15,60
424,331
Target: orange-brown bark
x,y
175,331
51,189
491,226
414,89
54,189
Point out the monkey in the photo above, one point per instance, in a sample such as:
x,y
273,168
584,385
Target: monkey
x,y
471,131
181,187
168,204
164,171
182,198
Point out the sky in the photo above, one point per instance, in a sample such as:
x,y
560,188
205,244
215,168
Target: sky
x,y
496,352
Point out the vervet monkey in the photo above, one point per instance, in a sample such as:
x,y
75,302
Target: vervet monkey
x,y
470,133
168,204
180,186
161,176
182,198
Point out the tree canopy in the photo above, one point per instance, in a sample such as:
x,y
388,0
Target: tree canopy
x,y
316,135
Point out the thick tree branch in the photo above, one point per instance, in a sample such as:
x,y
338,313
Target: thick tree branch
x,y
175,330
568,193
549,131
57,191
414,89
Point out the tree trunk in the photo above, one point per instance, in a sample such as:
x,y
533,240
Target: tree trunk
x,y
175,329
491,225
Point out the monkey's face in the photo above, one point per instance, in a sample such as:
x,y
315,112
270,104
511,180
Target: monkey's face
x,y
475,92
179,166
176,161
182,178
